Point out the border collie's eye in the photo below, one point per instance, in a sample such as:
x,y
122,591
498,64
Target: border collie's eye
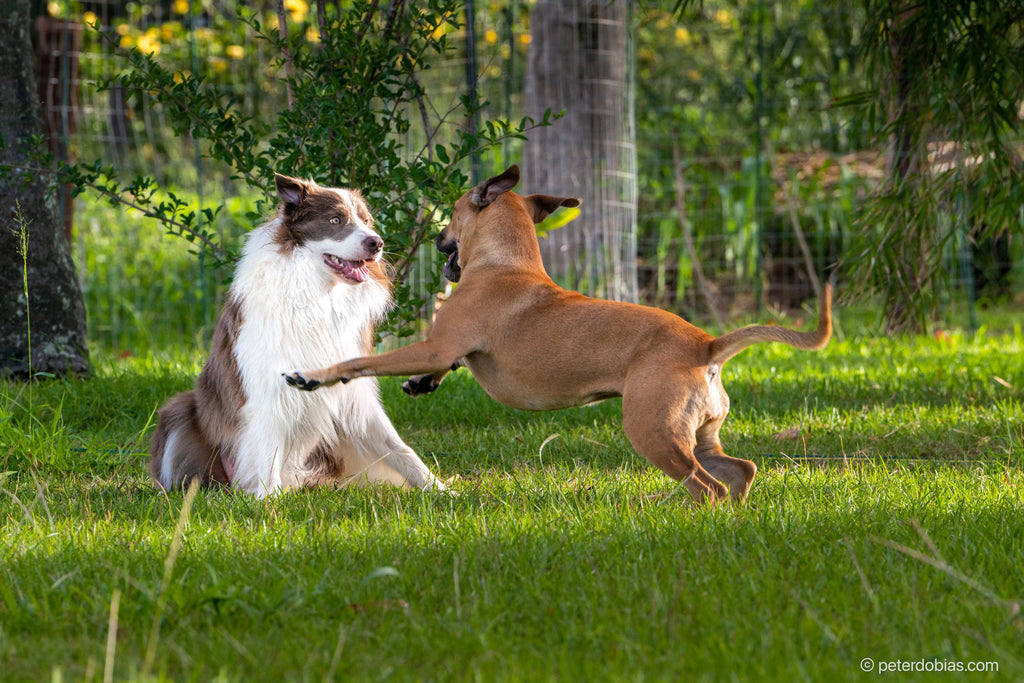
x,y
335,220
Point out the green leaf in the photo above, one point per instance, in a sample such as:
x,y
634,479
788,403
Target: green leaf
x,y
560,218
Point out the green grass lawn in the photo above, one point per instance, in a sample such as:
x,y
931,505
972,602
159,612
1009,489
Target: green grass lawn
x,y
886,523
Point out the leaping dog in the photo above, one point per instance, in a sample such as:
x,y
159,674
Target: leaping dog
x,y
535,346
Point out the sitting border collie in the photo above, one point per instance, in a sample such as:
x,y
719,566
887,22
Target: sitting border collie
x,y
307,291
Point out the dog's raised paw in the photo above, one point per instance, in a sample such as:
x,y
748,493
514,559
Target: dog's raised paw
x,y
419,385
296,380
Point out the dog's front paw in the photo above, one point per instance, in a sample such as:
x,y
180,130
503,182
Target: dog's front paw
x,y
296,380
419,385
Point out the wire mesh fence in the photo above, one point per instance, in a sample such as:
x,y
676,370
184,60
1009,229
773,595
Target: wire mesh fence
x,y
719,176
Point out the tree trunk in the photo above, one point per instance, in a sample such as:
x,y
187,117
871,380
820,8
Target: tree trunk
x,y
907,164
578,62
45,331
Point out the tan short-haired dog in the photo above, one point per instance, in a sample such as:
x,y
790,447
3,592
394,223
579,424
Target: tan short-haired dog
x,y
535,346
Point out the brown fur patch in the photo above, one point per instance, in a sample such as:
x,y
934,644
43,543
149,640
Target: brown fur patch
x,y
324,465
197,458
219,394
206,418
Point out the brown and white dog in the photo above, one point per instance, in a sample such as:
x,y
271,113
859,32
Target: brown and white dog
x,y
535,346
308,289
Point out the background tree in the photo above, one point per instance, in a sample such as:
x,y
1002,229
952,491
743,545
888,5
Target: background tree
x,y
578,63
42,317
948,82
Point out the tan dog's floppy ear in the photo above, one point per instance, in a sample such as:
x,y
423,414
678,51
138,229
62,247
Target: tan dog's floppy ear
x,y
541,206
291,190
489,190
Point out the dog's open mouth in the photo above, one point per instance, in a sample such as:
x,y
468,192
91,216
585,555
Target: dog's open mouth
x,y
354,271
452,270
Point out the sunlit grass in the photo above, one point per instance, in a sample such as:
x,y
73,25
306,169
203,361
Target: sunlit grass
x,y
886,522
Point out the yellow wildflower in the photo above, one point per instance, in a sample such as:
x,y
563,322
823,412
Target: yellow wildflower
x,y
149,42
169,29
298,9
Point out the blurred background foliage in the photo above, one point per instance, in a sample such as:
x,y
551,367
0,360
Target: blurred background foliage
x,y
765,133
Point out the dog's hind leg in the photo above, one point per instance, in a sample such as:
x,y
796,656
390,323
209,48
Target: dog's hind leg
x,y
659,433
737,474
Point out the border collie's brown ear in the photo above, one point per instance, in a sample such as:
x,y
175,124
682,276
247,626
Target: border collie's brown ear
x,y
541,206
489,190
291,190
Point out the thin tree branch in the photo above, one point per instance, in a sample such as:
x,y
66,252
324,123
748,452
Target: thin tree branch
x,y
321,19
289,66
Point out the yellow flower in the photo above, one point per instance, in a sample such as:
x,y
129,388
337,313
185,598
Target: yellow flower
x,y
180,6
682,36
127,41
525,38
219,64
234,51
53,9
313,35
123,29
298,9
724,17
491,37
89,18
168,29
149,42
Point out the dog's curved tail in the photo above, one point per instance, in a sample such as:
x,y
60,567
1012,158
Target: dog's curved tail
x,y
728,345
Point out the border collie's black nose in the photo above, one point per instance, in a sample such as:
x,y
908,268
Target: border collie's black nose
x,y
373,244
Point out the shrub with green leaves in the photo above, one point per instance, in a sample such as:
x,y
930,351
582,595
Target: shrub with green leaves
x,y
357,115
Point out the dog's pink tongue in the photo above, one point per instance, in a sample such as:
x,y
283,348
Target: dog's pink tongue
x,y
355,271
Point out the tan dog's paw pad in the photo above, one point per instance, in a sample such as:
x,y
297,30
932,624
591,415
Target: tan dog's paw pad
x,y
419,385
296,380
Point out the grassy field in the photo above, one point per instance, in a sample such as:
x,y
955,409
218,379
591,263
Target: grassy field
x,y
886,524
